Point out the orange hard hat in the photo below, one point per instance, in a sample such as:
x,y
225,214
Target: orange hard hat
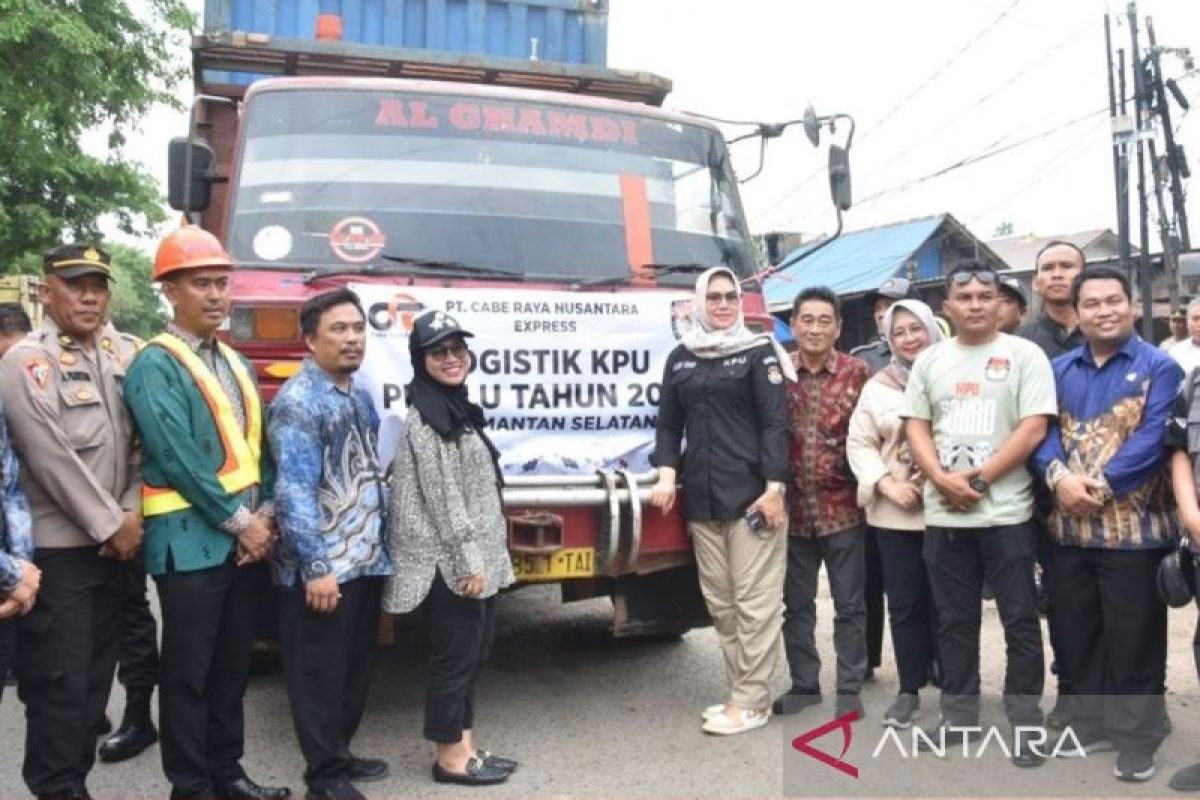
x,y
190,247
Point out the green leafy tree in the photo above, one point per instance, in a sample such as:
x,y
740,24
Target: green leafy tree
x,y
135,306
67,67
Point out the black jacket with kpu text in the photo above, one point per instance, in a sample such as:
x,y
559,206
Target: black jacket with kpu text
x,y
733,412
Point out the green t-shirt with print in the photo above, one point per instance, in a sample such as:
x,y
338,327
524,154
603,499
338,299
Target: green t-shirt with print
x,y
974,396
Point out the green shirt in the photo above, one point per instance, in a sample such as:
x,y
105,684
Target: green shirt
x,y
181,448
975,396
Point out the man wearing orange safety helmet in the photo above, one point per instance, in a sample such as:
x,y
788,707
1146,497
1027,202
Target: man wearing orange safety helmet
x,y
209,520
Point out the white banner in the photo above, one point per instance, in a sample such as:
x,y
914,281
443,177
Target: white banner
x,y
570,381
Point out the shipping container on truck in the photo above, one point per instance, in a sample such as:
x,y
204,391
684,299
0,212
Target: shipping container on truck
x,y
412,147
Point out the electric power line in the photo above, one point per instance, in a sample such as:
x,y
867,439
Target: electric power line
x,y
895,108
977,157
1043,171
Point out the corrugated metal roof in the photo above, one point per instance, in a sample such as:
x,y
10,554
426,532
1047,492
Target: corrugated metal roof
x,y
855,262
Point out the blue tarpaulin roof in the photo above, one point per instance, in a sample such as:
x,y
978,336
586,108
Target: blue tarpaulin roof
x,y
855,262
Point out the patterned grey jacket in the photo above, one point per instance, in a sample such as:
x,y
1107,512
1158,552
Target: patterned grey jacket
x,y
445,514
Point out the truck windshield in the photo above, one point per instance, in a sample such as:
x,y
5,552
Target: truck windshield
x,y
330,177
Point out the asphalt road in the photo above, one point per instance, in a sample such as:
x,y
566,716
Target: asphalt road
x,y
592,717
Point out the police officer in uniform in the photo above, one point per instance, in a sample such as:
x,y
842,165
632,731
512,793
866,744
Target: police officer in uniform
x,y
137,662
62,395
876,353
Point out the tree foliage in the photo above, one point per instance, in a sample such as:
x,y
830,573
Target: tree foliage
x,y
135,307
68,67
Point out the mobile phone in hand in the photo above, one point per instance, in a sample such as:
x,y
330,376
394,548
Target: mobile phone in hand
x,y
757,520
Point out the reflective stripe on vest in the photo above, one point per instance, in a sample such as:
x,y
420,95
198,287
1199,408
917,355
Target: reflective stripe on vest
x,y
242,451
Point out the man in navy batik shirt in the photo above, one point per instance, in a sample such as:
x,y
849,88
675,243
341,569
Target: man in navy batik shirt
x,y
331,561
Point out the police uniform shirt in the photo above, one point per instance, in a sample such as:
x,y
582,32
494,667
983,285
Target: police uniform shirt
x,y
69,425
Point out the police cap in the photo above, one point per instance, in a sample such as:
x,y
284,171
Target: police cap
x,y
72,260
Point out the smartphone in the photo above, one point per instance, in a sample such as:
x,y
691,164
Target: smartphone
x,y
757,520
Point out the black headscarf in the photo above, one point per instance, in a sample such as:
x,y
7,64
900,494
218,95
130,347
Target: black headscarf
x,y
446,409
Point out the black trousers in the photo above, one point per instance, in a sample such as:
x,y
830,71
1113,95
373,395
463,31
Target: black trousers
x,y
1045,559
327,660
958,559
8,649
68,653
873,597
910,606
1114,642
137,665
208,628
460,637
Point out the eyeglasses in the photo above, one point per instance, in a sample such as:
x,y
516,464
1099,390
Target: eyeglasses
x,y
961,277
716,298
441,353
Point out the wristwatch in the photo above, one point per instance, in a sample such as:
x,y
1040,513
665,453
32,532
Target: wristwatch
x,y
978,484
778,487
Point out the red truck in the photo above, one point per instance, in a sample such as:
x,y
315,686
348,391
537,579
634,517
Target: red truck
x,y
406,173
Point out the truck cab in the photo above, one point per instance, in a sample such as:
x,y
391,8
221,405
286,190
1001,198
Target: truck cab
x,y
476,181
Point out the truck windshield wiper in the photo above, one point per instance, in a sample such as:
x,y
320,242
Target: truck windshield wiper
x,y
656,269
403,265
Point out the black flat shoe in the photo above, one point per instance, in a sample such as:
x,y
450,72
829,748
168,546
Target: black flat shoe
x,y
509,764
478,773
365,770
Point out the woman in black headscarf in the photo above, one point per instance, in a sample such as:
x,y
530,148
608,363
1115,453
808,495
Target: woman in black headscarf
x,y
446,537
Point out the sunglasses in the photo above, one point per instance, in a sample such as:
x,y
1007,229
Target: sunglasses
x,y
962,277
442,352
716,298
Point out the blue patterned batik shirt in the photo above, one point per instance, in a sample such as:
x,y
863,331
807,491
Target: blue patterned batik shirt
x,y
328,488
1111,423
16,535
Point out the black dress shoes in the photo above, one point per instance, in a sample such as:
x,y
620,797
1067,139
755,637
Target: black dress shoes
x,y
509,764
478,773
133,737
339,791
365,770
246,789
66,794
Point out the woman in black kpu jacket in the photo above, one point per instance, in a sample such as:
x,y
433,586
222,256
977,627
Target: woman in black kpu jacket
x,y
723,390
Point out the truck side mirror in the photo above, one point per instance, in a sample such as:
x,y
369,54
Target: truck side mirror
x,y
199,187
839,177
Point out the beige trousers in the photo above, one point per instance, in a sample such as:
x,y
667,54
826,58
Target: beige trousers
x,y
741,576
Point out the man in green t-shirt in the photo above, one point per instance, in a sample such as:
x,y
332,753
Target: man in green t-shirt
x,y
976,407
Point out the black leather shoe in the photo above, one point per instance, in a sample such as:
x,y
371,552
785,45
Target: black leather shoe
x,y
1024,756
478,773
339,791
365,770
137,732
246,789
796,700
509,764
66,794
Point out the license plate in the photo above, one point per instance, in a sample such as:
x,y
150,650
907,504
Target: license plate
x,y
570,562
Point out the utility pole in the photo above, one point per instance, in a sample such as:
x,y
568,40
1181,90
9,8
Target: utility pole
x,y
1121,132
1146,282
1152,75
1173,155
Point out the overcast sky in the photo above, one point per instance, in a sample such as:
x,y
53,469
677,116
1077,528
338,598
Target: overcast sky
x,y
930,82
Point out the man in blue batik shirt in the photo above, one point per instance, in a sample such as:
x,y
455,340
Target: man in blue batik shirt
x,y
1104,461
19,578
330,561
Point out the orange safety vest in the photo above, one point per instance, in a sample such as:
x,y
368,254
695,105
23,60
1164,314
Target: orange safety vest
x,y
242,451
